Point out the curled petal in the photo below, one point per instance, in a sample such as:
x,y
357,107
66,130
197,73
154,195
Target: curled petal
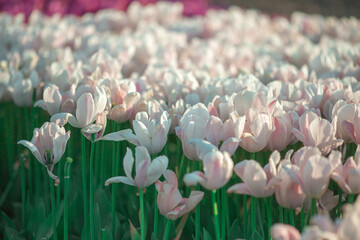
x,y
118,180
33,150
191,179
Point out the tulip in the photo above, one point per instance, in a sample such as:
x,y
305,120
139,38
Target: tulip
x,y
48,145
347,176
169,200
311,171
88,106
192,125
147,171
257,182
218,168
317,132
149,133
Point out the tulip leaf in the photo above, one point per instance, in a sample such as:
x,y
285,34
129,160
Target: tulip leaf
x,y
206,234
256,236
46,229
235,230
12,234
106,233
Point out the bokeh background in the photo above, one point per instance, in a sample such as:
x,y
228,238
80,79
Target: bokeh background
x,y
339,8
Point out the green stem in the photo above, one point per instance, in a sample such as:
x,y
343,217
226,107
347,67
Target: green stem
x,y
223,212
351,198
302,217
156,214
167,229
253,214
113,187
292,218
281,214
23,191
268,203
58,188
338,207
313,207
216,214
102,163
142,214
197,211
245,215
53,209
84,181
91,182
66,196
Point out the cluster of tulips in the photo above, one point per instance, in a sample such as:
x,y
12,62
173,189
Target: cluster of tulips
x,y
231,103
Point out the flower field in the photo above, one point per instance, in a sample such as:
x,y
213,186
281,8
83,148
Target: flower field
x,y
148,124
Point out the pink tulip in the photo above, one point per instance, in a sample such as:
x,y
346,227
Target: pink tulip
x,y
218,167
281,231
288,193
192,125
48,145
88,106
347,176
311,171
150,133
147,171
348,122
257,182
317,132
169,200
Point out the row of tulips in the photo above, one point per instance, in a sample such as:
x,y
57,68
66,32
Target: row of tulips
x,y
195,103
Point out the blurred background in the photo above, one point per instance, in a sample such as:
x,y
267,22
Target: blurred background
x,y
339,8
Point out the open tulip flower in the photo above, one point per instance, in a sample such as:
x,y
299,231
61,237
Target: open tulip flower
x,y
347,176
147,171
257,182
169,200
317,132
88,106
311,171
218,167
150,133
48,145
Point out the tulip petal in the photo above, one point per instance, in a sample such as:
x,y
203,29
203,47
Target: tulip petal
x,y
62,118
193,178
33,150
118,180
239,188
202,147
156,169
117,136
170,177
85,110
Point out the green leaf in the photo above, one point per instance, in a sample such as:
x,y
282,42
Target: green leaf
x,y
46,229
235,230
135,235
37,216
97,221
206,235
256,236
12,234
106,233
5,221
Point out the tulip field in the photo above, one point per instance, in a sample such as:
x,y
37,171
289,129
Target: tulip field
x,y
149,124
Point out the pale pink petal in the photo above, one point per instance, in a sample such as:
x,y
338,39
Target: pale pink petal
x,y
239,188
117,136
142,134
59,146
118,180
170,177
284,232
85,110
33,150
202,147
141,176
128,163
193,178
230,145
214,130
62,118
158,140
156,169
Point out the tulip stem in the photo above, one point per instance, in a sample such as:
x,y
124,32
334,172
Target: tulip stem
x,y
291,216
338,207
66,195
351,198
91,182
313,207
268,203
302,216
156,214
253,214
216,214
167,229
53,209
223,212
84,180
113,187
245,215
142,214
23,190
281,214
197,211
